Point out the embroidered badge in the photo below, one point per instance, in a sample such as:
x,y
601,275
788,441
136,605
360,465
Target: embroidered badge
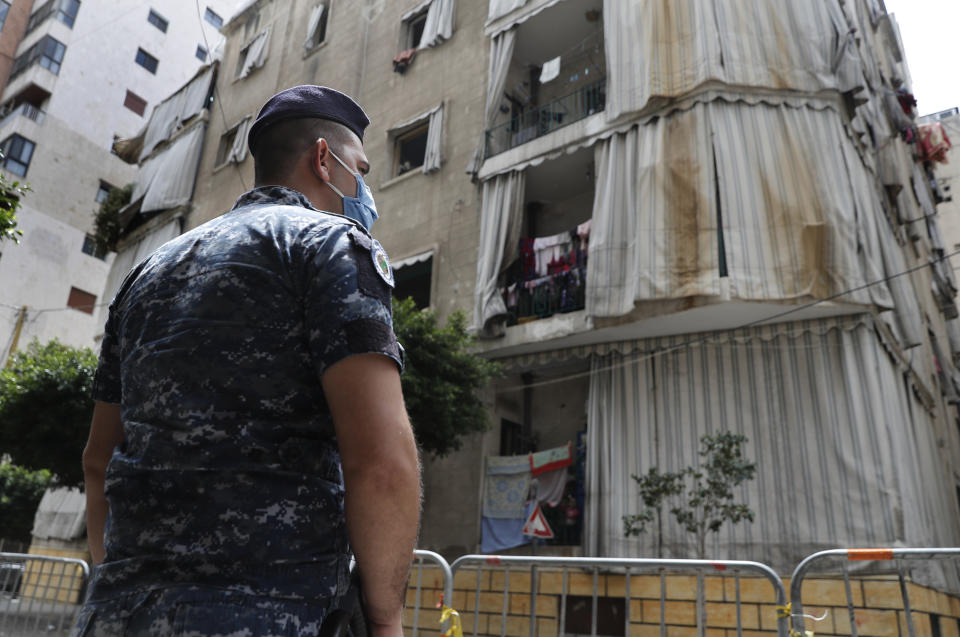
x,y
382,263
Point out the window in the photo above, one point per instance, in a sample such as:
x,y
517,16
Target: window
x,y
64,10
201,53
412,279
157,20
227,141
415,29
103,191
17,152
47,52
316,27
610,615
80,300
410,149
253,55
4,9
135,103
233,143
147,61
90,247
214,19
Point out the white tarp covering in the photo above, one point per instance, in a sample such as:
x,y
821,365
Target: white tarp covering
x,y
170,114
501,53
313,24
166,180
500,8
238,152
501,216
439,24
60,515
845,455
256,54
788,209
661,49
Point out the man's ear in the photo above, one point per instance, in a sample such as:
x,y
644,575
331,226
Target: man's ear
x,y
320,159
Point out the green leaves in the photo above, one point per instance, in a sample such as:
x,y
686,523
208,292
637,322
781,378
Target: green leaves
x,y
45,408
10,194
106,223
20,493
442,380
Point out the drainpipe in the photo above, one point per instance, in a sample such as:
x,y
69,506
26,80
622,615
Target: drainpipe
x,y
14,341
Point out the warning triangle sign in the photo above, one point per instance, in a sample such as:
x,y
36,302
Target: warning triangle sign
x,y
536,525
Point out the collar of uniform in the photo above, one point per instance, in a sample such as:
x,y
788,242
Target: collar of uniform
x,y
273,195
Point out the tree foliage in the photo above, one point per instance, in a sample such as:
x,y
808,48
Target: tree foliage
x,y
705,493
442,379
106,222
20,493
45,408
10,194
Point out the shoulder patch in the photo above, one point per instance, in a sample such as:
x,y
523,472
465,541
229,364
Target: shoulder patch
x,y
361,239
382,263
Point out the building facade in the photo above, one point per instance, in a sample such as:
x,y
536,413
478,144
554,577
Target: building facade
x,y
80,74
665,221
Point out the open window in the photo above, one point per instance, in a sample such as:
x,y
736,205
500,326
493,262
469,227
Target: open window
x,y
426,25
417,143
413,278
17,153
413,29
253,55
232,148
317,26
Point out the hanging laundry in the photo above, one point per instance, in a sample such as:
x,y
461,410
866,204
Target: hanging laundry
x,y
551,459
501,534
934,143
506,485
550,70
549,486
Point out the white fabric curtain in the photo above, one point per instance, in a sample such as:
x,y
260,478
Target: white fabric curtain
x,y
439,24
166,180
501,53
238,152
501,217
60,515
434,153
500,8
313,23
828,416
256,54
169,115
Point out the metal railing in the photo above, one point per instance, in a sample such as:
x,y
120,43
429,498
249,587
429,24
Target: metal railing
x,y
29,111
629,568
860,555
422,557
40,595
540,120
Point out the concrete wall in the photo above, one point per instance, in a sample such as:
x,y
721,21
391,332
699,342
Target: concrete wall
x,y
10,36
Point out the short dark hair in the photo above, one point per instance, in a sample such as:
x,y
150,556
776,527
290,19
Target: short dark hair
x,y
281,145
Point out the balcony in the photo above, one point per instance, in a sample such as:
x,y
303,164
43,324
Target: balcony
x,y
540,120
29,111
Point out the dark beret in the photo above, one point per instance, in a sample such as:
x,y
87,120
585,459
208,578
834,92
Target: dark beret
x,y
309,101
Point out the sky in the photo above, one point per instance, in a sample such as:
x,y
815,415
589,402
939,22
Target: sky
x,y
931,38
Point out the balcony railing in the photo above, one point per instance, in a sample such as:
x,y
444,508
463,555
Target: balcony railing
x,y
547,118
29,111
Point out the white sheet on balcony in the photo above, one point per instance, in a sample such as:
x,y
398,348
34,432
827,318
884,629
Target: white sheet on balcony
x,y
501,217
667,48
845,454
166,180
786,197
169,115
501,54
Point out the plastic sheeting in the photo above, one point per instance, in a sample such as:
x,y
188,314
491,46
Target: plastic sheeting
x,y
845,455
313,23
256,54
166,180
60,515
170,115
501,216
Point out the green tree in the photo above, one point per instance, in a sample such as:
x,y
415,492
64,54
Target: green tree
x,y
20,493
106,221
442,379
10,194
45,408
654,488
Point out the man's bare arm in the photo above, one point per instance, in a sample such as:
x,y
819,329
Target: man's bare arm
x,y
106,432
381,472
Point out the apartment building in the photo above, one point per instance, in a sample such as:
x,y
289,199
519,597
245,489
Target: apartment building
x,y
79,74
665,220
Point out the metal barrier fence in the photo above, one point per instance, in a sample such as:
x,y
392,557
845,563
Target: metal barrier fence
x,y
40,595
420,559
848,555
629,568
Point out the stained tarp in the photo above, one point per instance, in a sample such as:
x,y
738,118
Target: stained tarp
x,y
845,454
60,515
166,180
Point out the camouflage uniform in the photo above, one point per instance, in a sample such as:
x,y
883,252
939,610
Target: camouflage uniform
x,y
226,495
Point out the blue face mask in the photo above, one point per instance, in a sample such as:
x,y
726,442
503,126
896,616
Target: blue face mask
x,y
361,208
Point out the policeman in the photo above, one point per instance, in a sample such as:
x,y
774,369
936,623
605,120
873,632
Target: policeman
x,y
249,429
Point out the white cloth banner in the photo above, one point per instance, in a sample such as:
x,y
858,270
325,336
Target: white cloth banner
x,y
439,24
501,53
238,152
169,115
845,455
313,24
256,54
434,153
501,216
166,180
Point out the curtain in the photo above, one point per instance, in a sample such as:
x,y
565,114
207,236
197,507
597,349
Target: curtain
x,y
166,180
499,8
501,52
238,152
169,115
61,514
433,155
313,23
845,455
439,24
501,216
256,54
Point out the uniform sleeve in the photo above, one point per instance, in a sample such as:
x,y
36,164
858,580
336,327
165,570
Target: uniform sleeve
x,y
347,298
106,381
